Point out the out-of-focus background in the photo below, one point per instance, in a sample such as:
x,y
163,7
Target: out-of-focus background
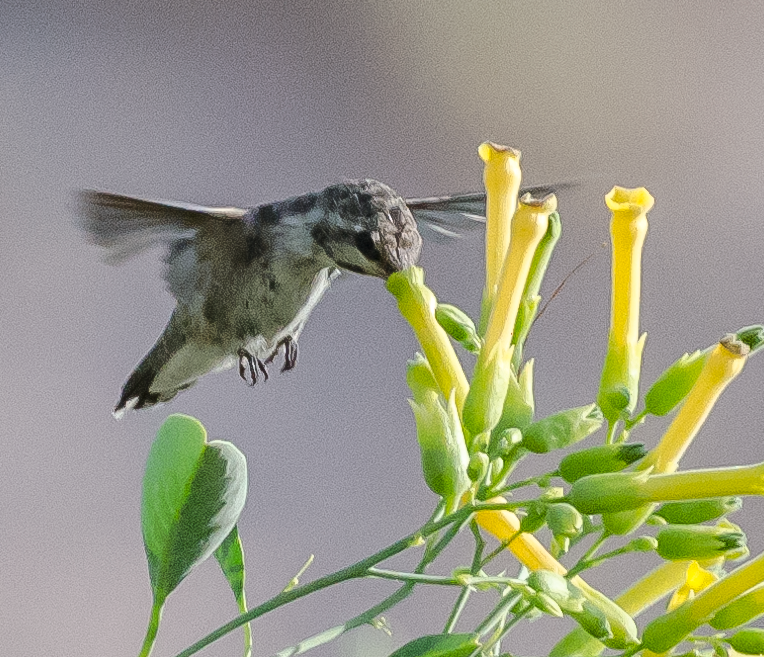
x,y
246,102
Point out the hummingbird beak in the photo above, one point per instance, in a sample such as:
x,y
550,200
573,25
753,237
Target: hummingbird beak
x,y
399,240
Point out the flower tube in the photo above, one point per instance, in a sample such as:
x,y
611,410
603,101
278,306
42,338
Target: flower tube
x,y
620,374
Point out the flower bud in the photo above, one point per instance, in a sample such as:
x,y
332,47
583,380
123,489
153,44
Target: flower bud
x,y
441,441
675,383
545,603
643,544
601,459
420,379
564,520
698,511
749,641
478,466
459,326
740,611
569,598
562,429
698,542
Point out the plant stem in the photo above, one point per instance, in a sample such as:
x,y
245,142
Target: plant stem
x,y
355,571
151,630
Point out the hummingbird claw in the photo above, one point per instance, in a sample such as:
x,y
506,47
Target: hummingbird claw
x,y
255,365
290,353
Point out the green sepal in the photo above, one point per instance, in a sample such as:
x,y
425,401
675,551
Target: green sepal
x,y
459,326
619,385
562,429
230,556
193,493
535,517
749,641
675,383
698,511
440,645
441,442
483,406
699,542
519,405
611,492
753,336
599,460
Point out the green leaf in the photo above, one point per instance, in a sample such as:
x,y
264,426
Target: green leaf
x,y
230,556
193,493
439,645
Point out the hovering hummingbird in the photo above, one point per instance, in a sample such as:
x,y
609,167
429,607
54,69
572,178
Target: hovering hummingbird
x,y
246,279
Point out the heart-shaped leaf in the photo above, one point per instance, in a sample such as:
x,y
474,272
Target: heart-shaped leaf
x,y
193,493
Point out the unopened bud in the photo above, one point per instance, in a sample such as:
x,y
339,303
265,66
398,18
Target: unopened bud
x,y
459,326
478,466
698,511
675,383
740,611
564,520
601,459
562,429
697,542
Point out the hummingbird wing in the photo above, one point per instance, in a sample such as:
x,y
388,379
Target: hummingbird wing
x,y
448,217
125,225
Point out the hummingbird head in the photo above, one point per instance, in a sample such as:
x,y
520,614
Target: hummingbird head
x,y
367,228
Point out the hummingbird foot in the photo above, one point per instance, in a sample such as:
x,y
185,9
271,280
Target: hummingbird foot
x,y
255,365
290,353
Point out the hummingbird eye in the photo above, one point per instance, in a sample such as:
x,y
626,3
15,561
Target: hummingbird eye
x,y
366,246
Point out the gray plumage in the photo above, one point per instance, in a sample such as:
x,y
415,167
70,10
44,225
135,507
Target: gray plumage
x,y
246,279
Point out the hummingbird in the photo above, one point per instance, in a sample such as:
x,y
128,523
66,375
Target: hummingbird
x,y
246,279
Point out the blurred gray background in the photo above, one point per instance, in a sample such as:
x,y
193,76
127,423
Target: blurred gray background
x,y
247,102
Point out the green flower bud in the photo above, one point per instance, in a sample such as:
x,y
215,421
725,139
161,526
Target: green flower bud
x,y
459,326
440,645
594,621
675,383
564,520
478,466
526,313
420,379
682,542
749,641
569,598
562,429
753,336
601,459
643,544
441,441
519,404
698,511
740,611
535,517
615,491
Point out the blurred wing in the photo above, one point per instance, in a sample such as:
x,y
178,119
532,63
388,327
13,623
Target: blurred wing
x,y
447,217
125,225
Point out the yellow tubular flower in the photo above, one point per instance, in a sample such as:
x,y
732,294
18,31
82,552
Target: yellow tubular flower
x,y
696,579
528,227
668,630
417,304
501,177
628,228
724,363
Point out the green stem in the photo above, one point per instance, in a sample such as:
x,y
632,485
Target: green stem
x,y
415,578
355,571
586,560
461,603
503,631
151,630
